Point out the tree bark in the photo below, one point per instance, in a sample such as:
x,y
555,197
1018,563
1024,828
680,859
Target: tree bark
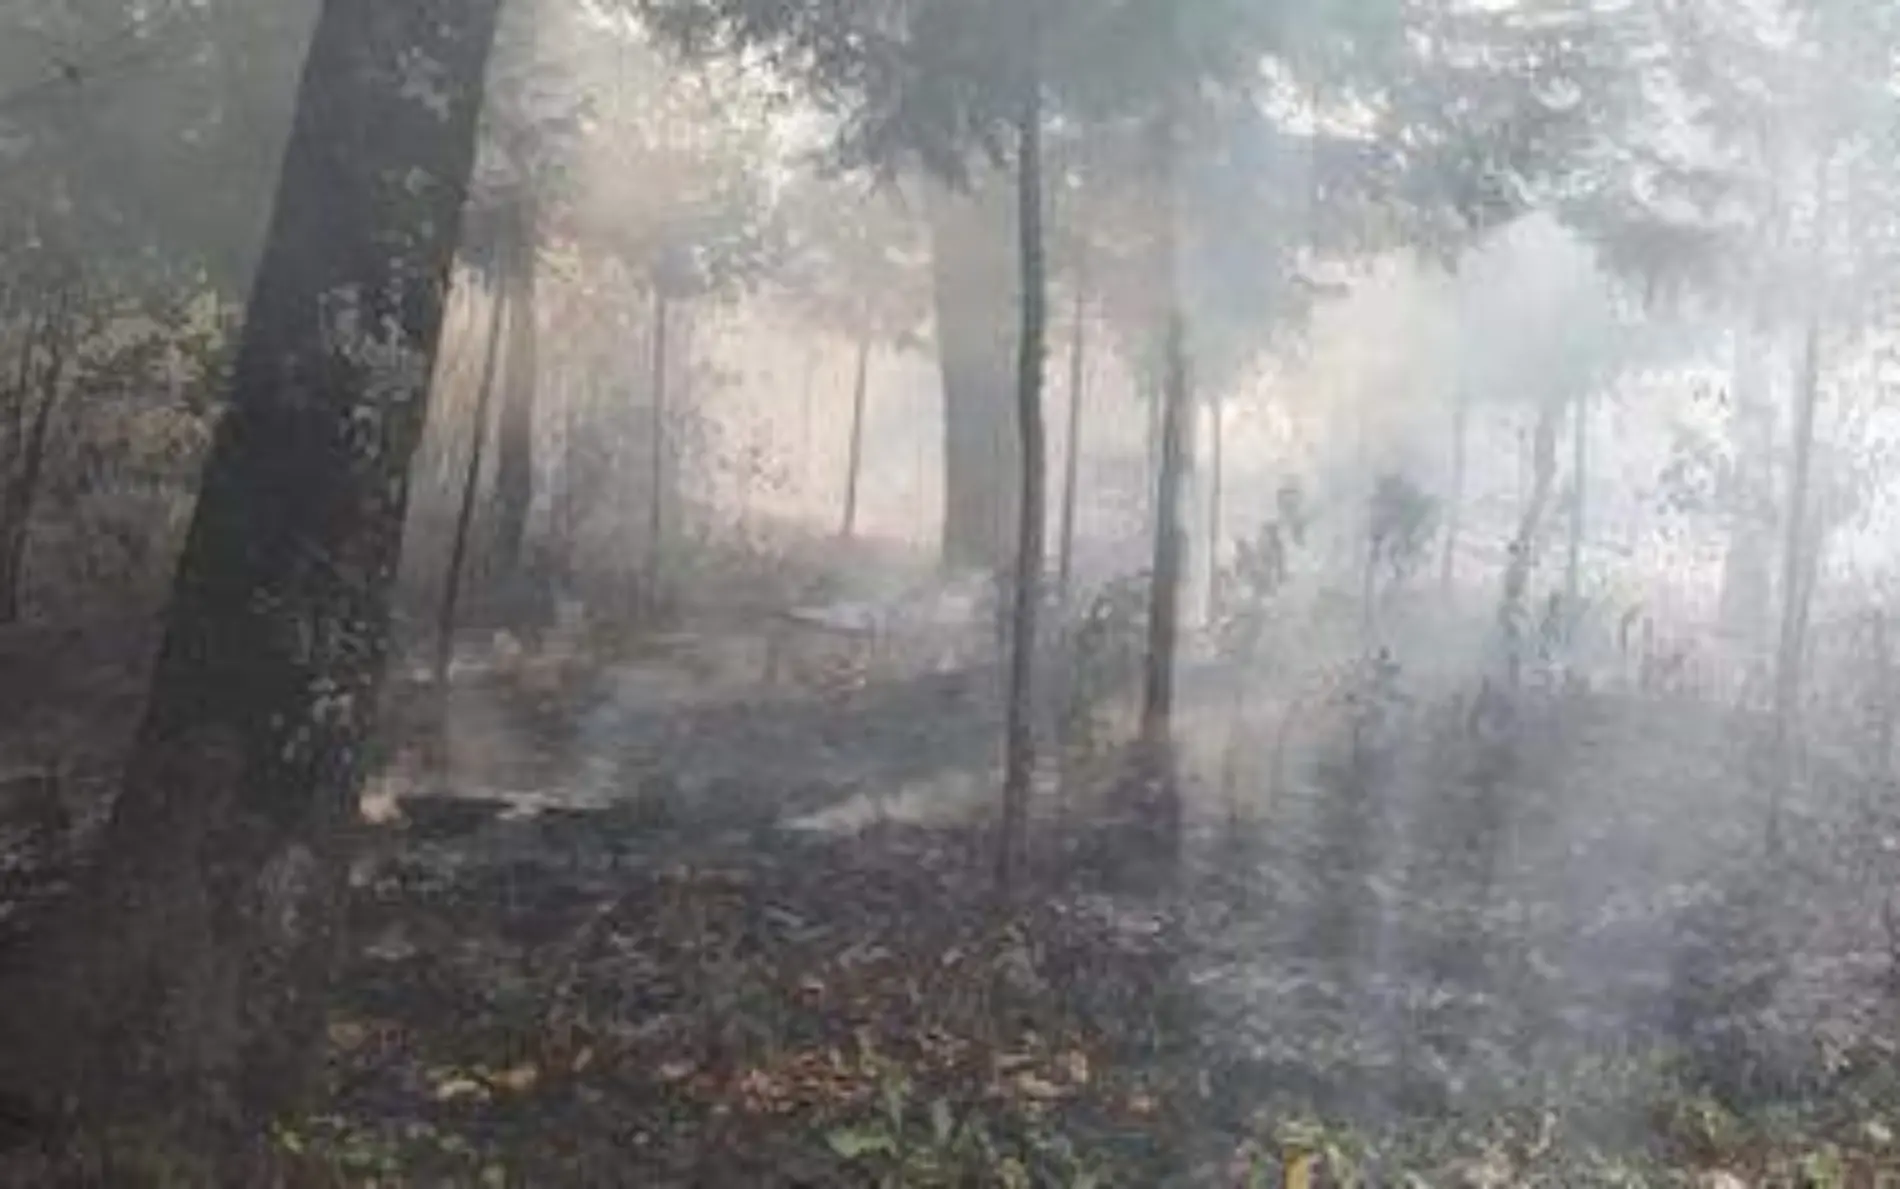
x,y
465,510
1020,743
514,435
854,463
1072,462
177,994
971,271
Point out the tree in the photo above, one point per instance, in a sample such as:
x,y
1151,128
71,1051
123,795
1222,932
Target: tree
x,y
178,990
48,343
465,511
855,269
971,73
531,132
1740,209
1072,439
972,273
107,231
684,211
1020,746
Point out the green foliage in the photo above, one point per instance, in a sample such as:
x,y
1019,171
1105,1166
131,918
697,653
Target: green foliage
x,y
856,262
142,140
1400,523
908,1145
679,195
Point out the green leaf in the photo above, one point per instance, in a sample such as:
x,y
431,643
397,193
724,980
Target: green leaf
x,y
855,1143
942,1123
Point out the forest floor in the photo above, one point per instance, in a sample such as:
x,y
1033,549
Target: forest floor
x,y
646,923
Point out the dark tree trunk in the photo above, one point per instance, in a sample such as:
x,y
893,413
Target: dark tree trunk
x,y
1160,791
1020,744
854,464
177,996
42,393
465,510
514,436
1072,462
1797,573
656,429
972,274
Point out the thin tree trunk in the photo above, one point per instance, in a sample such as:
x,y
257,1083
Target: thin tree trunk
x,y
1883,698
1579,506
1369,587
1796,579
1072,462
656,509
1154,411
1512,613
514,445
1747,566
806,392
465,510
1020,742
1216,480
23,482
855,456
177,994
1455,499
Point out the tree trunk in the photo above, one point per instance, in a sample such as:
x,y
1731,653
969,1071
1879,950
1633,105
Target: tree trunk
x,y
1747,579
1072,462
972,275
1455,499
175,1000
1796,579
1160,792
1579,506
806,391
854,464
656,429
1216,480
1512,613
465,510
1020,743
23,481
514,435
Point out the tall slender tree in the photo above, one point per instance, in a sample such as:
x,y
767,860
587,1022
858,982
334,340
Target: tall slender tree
x,y
1020,746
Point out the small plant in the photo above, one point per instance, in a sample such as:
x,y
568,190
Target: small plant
x,y
1103,662
905,1147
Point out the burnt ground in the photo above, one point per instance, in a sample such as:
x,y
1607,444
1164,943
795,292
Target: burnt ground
x,y
631,932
